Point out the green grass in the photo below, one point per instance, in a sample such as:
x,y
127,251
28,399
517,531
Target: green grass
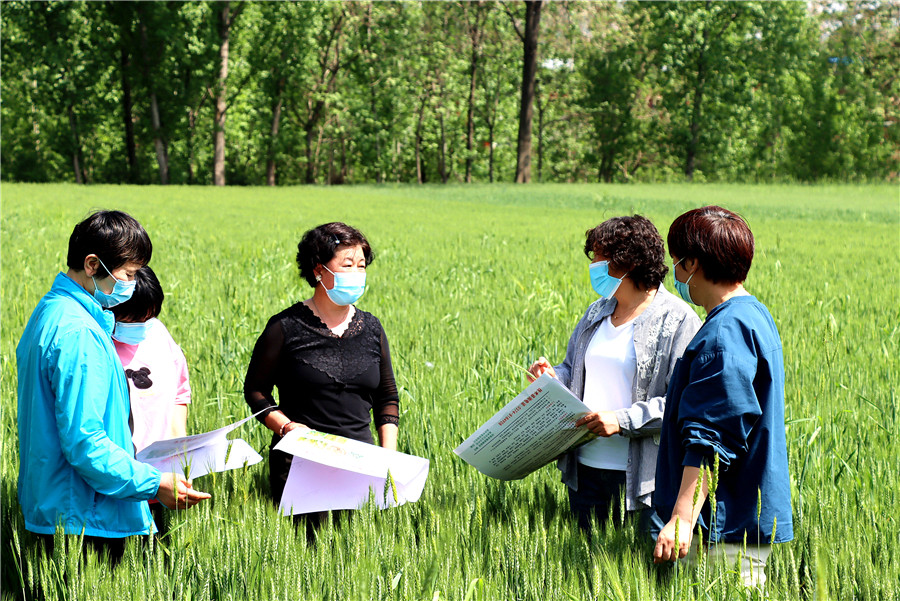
x,y
467,282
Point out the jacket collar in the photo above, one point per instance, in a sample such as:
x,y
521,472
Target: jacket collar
x,y
65,285
605,306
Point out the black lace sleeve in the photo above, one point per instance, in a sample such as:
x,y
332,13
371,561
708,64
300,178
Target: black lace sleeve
x,y
386,401
260,379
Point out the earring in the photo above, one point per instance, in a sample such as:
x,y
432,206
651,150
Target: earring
x,y
318,278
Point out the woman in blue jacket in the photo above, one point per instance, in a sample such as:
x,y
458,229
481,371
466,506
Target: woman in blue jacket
x,y
725,400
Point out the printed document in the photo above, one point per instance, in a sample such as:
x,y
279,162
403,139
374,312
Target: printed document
x,y
201,454
531,431
331,472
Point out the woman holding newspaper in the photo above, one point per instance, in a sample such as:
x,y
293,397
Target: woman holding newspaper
x,y
618,362
329,360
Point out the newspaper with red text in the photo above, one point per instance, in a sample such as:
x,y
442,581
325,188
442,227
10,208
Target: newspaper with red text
x,y
532,430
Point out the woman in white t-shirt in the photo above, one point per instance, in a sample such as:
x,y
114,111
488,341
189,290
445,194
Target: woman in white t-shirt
x,y
618,361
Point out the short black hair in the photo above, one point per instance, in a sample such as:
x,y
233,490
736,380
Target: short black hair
x,y
719,239
115,237
630,244
318,245
146,301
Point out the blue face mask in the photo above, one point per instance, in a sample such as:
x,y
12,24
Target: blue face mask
x,y
682,287
348,287
131,333
121,291
603,284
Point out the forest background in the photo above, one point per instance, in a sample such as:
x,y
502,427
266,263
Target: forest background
x,y
254,93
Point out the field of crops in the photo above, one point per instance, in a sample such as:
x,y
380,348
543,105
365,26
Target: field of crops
x,y
470,283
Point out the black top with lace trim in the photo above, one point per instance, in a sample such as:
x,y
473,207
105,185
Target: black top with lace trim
x,y
328,382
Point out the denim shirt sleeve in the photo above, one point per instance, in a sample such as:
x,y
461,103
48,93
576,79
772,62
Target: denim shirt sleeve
x,y
719,407
81,380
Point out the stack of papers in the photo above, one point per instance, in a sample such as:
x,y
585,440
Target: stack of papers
x,y
330,472
200,454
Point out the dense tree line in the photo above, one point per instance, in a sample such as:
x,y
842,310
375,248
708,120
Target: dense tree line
x,y
347,92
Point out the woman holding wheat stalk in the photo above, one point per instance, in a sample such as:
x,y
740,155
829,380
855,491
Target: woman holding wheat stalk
x,y
723,456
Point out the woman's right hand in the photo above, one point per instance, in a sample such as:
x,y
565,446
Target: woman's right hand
x,y
539,368
176,492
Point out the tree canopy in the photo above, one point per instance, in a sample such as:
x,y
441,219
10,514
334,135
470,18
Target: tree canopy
x,y
254,93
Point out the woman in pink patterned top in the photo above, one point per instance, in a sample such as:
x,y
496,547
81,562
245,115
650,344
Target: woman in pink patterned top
x,y
155,368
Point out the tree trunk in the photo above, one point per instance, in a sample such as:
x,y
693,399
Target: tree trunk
x,y
127,110
420,174
219,149
273,131
696,115
491,153
442,157
540,132
162,151
526,108
77,158
470,117
379,175
310,177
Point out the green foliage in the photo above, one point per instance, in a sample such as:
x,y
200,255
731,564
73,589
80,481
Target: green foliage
x,y
351,92
469,281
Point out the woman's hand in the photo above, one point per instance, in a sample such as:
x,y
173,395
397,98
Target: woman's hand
x,y
278,422
176,492
665,549
539,368
292,426
602,423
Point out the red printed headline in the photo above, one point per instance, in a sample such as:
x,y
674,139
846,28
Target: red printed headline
x,y
527,400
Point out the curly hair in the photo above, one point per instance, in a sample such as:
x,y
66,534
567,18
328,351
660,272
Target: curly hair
x,y
630,244
319,244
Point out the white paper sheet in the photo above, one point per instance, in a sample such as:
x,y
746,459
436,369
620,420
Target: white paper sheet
x,y
331,472
201,454
529,432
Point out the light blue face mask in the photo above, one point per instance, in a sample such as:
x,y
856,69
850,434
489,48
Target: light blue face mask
x,y
682,287
121,291
603,284
348,287
131,333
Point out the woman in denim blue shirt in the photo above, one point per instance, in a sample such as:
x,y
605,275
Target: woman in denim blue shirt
x,y
618,361
725,399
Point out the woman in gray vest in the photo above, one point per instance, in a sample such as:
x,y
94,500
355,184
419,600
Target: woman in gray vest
x,y
618,362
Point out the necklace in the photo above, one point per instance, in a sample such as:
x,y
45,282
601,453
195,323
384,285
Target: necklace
x,y
631,311
321,316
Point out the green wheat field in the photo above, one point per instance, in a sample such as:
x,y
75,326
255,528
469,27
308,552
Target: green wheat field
x,y
472,283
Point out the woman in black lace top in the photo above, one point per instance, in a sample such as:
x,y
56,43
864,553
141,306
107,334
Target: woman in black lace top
x,y
329,360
